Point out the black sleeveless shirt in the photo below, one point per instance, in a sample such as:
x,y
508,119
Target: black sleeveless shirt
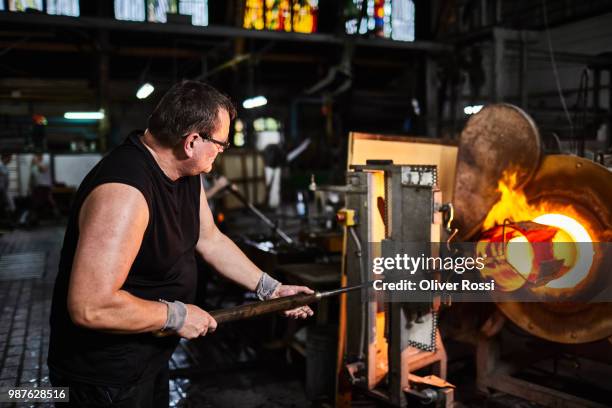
x,y
165,267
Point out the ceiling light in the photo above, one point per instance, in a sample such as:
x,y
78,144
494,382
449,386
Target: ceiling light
x,y
472,109
84,115
145,90
254,102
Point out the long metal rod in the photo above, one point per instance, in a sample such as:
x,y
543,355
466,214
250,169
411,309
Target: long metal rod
x,y
276,305
232,189
250,310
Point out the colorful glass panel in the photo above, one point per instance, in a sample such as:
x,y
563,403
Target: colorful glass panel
x,y
384,18
63,7
281,15
129,10
22,5
197,9
158,9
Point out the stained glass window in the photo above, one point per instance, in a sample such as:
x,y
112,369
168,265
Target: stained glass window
x,y
197,9
157,10
130,10
22,5
402,20
305,15
253,14
63,7
281,15
384,18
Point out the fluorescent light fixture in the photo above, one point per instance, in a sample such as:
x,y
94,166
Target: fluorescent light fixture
x,y
472,109
145,90
84,115
254,102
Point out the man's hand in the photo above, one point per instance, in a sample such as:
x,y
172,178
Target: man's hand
x,y
197,323
288,290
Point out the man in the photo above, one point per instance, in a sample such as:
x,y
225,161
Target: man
x,y
6,201
127,267
41,185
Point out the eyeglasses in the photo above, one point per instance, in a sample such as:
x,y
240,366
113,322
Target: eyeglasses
x,y
223,145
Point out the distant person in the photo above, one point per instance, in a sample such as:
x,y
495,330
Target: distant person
x,y
41,184
39,136
6,201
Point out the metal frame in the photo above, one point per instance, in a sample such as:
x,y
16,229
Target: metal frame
x,y
409,215
495,374
111,24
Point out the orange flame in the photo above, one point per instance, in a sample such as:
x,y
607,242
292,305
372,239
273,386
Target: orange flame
x,y
513,206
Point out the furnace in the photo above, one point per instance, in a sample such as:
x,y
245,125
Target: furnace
x,y
558,208
557,211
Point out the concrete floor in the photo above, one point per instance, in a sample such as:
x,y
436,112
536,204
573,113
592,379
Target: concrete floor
x,y
25,301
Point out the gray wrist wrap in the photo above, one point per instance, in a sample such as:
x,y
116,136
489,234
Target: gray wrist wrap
x,y
177,311
266,286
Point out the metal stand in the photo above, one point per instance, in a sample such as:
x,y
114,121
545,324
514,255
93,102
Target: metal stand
x,y
234,191
496,373
386,342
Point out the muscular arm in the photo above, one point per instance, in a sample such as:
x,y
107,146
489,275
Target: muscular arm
x,y
222,254
219,251
112,222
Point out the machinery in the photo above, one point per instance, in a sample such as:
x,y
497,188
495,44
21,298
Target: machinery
x,y
562,354
387,342
556,351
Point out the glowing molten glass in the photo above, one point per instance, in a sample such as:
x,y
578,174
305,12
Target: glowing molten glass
x,y
581,255
564,253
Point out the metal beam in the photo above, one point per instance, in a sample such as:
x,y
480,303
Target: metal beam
x,y
487,34
429,46
181,53
601,61
539,394
162,52
110,24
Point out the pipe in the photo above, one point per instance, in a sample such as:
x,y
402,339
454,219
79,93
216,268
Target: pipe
x,y
363,277
276,305
427,395
234,190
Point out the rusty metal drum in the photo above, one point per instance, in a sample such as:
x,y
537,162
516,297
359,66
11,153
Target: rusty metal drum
x,y
500,137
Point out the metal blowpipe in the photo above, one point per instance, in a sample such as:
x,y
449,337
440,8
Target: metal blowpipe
x,y
276,305
270,306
